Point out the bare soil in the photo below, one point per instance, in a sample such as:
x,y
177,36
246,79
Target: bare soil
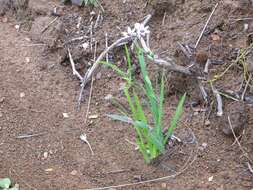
x,y
37,87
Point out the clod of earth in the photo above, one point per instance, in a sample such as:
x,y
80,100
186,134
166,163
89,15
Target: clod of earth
x,y
238,113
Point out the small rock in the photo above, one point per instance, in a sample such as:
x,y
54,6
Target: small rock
x,y
204,145
17,26
215,37
137,177
28,39
246,27
65,115
1,115
92,13
45,155
2,99
93,116
207,123
22,95
74,172
210,179
27,60
85,45
108,97
49,170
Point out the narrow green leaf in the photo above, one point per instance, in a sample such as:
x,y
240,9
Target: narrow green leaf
x,y
130,102
115,69
144,152
157,141
140,124
122,118
129,62
161,102
176,118
140,113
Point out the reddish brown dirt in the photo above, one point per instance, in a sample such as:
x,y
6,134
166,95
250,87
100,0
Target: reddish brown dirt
x,y
58,160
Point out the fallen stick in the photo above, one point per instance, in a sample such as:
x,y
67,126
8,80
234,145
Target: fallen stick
x,y
247,85
75,72
29,136
219,101
207,22
46,27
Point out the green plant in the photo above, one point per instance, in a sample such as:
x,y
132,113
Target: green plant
x,y
5,184
151,139
90,2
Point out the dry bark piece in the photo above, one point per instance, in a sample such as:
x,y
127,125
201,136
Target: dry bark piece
x,y
237,111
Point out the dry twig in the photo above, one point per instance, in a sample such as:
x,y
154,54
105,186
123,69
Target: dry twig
x,y
207,22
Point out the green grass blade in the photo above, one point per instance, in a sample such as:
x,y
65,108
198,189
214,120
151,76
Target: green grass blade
x,y
122,118
140,113
161,102
129,61
130,102
115,69
176,118
157,141
150,93
143,151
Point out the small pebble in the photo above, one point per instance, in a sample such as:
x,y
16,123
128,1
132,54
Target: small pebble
x,y
93,116
45,155
2,99
85,45
74,172
246,27
108,97
204,145
137,177
207,123
22,95
49,170
210,179
92,13
65,115
27,60
1,115
17,26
